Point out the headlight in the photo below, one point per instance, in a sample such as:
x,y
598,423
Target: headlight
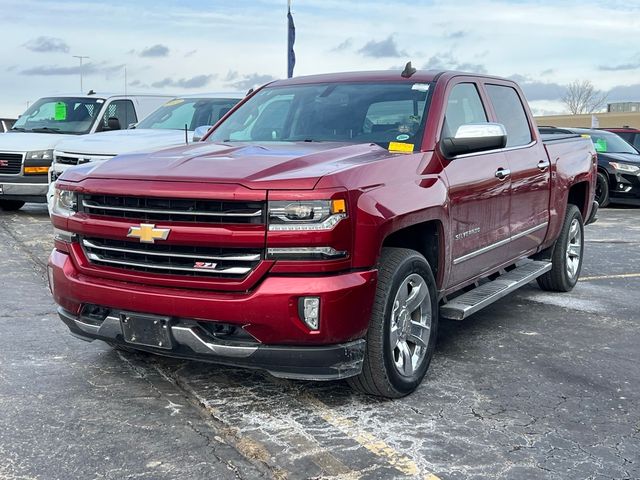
x,y
40,155
65,203
306,214
624,167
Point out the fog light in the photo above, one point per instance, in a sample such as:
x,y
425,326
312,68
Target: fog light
x,y
64,236
309,311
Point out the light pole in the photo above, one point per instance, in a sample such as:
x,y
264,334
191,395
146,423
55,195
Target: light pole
x,y
81,57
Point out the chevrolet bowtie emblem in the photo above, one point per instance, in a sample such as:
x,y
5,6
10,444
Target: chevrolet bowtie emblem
x,y
147,233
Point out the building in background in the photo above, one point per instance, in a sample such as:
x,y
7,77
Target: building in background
x,y
604,120
625,107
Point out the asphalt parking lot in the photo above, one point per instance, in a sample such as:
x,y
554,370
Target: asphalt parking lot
x,y
537,386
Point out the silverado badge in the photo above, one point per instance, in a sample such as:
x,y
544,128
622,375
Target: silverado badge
x,y
147,233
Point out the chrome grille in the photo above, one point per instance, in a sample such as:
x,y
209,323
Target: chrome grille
x,y
173,210
172,259
10,163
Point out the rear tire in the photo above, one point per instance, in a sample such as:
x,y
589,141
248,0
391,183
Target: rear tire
x,y
403,328
566,257
602,189
11,205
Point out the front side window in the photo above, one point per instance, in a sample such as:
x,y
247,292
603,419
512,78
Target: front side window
x,y
330,112
60,115
192,112
510,113
463,106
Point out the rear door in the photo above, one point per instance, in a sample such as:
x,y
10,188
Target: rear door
x,y
530,170
478,200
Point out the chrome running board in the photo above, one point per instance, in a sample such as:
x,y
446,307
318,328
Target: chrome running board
x,y
468,303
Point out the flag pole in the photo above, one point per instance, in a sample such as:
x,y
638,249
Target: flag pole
x,y
291,38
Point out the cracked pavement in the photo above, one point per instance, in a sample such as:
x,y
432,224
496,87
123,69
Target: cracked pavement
x,y
536,386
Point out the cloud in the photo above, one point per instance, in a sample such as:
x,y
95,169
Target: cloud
x,y
624,93
251,80
47,44
619,68
190,53
446,61
231,76
456,35
341,47
87,69
155,51
198,81
546,72
535,90
383,48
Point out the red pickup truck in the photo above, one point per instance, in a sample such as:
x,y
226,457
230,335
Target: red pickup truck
x,y
324,226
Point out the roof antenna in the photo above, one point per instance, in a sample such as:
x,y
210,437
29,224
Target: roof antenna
x,y
186,135
408,71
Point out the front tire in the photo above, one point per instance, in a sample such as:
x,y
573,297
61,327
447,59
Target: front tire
x,y
11,205
403,328
602,189
567,254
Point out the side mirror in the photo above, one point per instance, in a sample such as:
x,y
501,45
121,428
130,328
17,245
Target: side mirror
x,y
200,132
474,138
113,124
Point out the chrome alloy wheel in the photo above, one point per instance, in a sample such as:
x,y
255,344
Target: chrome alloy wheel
x,y
410,324
574,248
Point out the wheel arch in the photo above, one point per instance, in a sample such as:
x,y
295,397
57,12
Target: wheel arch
x,y
427,238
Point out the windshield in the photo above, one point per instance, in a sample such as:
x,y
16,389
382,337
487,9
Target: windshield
x,y
610,143
192,112
60,115
335,112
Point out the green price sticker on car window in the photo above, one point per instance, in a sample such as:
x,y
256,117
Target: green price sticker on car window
x,y
60,111
601,145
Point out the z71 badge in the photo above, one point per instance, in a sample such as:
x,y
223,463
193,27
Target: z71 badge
x,y
205,265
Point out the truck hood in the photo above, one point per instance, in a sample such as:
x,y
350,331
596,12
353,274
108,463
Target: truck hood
x,y
621,157
28,142
270,166
123,141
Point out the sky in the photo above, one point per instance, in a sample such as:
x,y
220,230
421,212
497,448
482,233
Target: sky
x,y
184,47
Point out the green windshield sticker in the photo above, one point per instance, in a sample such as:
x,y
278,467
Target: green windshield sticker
x,y
601,145
60,112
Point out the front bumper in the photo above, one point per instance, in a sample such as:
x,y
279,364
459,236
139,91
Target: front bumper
x,y
269,314
330,362
32,189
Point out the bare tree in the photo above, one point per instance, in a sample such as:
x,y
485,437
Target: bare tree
x,y
582,97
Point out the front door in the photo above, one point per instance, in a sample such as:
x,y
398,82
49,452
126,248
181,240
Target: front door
x,y
479,200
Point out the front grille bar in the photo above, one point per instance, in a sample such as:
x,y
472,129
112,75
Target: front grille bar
x,y
229,213
223,271
249,257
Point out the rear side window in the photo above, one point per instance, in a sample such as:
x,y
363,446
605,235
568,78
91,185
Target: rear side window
x,y
463,106
511,114
123,110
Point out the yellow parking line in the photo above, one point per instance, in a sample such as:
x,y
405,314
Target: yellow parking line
x,y
610,277
369,441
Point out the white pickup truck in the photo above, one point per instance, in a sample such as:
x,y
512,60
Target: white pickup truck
x,y
26,150
163,128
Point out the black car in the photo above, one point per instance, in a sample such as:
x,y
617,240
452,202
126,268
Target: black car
x,y
618,165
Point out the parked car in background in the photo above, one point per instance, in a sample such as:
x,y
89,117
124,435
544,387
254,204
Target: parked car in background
x,y
26,151
6,124
618,165
165,127
324,226
630,135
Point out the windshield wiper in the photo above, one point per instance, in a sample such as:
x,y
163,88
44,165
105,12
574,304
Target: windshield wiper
x,y
17,129
45,130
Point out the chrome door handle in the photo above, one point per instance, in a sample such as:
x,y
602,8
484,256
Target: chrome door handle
x,y
543,164
502,173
